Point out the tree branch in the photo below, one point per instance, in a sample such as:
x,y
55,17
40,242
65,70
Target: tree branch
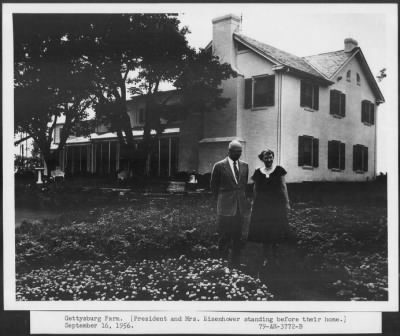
x,y
22,140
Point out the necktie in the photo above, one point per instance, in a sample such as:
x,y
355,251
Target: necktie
x,y
235,169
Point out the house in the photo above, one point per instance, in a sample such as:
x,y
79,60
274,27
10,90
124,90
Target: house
x,y
317,113
100,152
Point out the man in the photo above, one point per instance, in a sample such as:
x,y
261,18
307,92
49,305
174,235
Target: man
x,y
228,184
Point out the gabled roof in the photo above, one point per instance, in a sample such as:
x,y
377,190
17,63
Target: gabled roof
x,y
330,64
279,57
322,66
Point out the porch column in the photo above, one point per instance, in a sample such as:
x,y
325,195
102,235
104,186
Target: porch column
x,y
117,154
169,156
72,160
94,157
88,158
159,157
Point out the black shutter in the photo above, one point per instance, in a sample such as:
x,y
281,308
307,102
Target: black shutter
x,y
248,83
364,111
331,148
354,157
372,114
302,93
332,102
342,156
316,97
315,151
301,151
270,90
365,158
342,104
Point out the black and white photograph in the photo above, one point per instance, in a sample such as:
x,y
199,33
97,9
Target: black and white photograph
x,y
200,156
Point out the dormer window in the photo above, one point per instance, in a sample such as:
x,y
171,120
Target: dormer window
x,y
358,79
348,76
259,91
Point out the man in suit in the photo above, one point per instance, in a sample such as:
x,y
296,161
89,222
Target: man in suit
x,y
228,183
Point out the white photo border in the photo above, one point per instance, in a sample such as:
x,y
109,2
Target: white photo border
x,y
10,303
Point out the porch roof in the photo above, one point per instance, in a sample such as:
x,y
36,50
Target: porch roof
x,y
72,140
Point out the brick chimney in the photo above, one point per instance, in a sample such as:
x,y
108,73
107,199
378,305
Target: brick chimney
x,y
350,44
222,43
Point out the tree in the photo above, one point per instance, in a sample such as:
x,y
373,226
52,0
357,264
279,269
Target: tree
x,y
138,51
50,80
382,74
151,50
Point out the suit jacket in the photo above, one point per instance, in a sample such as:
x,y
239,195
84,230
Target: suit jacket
x,y
230,194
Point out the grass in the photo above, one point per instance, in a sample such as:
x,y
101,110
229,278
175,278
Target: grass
x,y
341,253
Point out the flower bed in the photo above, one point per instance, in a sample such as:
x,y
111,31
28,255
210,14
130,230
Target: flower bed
x,y
341,251
167,279
147,229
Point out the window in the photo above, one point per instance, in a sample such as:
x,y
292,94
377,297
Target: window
x,y
336,155
141,118
367,112
348,76
259,91
309,95
338,103
358,79
308,151
360,158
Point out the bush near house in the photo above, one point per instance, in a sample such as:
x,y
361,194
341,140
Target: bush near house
x,y
341,254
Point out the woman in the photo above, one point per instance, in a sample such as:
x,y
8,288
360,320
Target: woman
x,y
269,222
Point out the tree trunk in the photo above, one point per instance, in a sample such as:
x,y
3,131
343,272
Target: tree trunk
x,y
50,159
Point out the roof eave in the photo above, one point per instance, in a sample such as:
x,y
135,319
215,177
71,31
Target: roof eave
x,y
371,79
287,69
256,50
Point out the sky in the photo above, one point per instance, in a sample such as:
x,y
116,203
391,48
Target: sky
x,y
305,30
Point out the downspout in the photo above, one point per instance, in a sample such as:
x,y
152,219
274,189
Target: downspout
x,y
279,121
375,142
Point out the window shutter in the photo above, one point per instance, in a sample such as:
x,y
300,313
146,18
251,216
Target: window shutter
x,y
365,158
302,93
315,149
334,102
342,104
301,151
354,157
248,83
363,109
270,90
316,97
331,148
372,114
342,156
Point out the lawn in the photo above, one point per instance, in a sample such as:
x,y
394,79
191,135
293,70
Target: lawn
x,y
138,247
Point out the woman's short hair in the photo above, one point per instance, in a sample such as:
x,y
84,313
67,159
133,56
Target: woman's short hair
x,y
264,152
